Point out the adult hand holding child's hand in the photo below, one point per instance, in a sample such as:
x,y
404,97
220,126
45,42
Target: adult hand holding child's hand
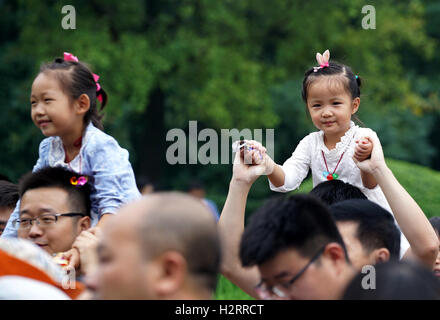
x,y
83,256
251,161
375,161
363,148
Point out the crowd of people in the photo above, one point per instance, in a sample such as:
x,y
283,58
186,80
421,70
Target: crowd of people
x,y
79,226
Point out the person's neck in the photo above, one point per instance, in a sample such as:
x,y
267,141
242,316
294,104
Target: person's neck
x,y
70,141
346,276
191,293
330,140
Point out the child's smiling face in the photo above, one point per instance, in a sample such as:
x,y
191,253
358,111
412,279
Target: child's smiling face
x,y
331,106
51,108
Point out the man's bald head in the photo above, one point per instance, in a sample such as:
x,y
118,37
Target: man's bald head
x,y
174,221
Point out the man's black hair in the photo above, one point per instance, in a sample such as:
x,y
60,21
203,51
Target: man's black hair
x,y
195,185
8,194
57,177
333,191
300,222
435,222
376,228
143,181
396,280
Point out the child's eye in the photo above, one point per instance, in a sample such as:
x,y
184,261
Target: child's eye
x,y
316,105
48,100
336,103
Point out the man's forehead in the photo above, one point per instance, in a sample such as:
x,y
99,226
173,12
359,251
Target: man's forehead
x,y
44,199
282,264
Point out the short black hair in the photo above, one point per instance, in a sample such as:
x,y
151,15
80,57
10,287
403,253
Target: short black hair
x,y
300,222
435,222
58,177
195,185
143,181
376,229
396,280
4,177
8,194
336,190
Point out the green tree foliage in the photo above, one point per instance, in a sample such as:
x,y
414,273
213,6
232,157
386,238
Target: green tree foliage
x,y
226,64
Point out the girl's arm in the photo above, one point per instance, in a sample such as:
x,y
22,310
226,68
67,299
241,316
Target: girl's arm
x,y
277,177
368,180
104,217
114,181
363,149
294,170
43,150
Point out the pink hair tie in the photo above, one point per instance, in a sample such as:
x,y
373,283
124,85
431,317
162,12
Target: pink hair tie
x,y
322,60
98,87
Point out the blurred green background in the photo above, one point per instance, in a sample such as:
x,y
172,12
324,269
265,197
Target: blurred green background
x,y
229,64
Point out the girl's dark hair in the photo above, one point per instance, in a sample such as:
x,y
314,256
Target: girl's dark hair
x,y
76,79
349,80
435,222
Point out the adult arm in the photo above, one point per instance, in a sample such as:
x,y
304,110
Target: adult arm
x,y
409,216
231,225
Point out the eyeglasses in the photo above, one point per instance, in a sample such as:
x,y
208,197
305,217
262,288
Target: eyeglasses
x,y
281,291
44,221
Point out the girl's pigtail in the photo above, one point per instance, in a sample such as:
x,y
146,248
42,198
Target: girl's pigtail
x,y
101,93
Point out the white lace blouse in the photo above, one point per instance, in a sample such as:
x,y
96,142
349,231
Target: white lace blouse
x,y
308,155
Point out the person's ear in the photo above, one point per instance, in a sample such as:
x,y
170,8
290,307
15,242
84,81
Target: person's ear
x,y
172,275
82,104
84,223
380,255
355,105
335,253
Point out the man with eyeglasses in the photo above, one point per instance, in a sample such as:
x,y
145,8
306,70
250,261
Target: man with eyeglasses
x,y
290,249
287,252
53,211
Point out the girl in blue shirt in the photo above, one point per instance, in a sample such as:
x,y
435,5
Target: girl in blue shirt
x,y
64,106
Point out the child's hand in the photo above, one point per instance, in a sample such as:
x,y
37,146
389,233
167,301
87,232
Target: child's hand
x,y
82,256
251,152
363,149
72,256
377,159
251,162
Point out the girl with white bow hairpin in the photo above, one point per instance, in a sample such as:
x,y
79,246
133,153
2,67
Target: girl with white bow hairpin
x,y
331,92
